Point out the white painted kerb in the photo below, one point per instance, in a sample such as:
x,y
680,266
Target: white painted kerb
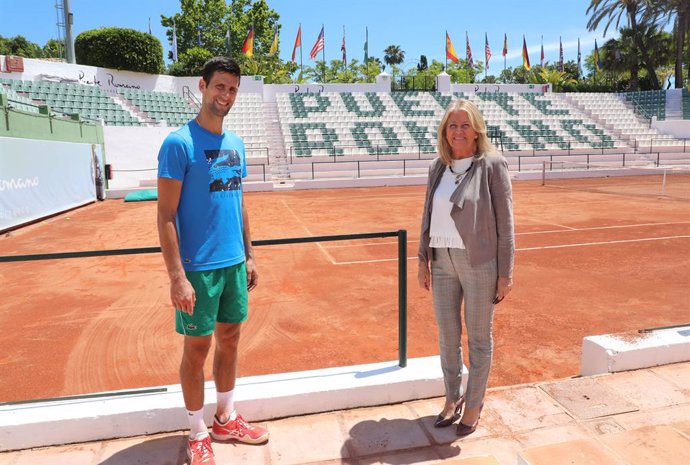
x,y
610,353
258,398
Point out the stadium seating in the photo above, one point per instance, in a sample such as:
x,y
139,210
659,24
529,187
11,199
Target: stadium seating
x,y
18,102
381,124
615,112
160,106
90,102
384,125
648,103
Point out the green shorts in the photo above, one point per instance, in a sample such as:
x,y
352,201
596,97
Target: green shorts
x,y
221,296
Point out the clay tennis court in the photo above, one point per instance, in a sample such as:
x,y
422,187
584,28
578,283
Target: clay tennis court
x,y
592,257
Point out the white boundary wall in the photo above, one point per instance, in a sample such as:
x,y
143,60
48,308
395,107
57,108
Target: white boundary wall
x,y
110,80
260,398
52,177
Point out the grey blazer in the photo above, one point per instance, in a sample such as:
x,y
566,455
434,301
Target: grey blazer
x,y
482,211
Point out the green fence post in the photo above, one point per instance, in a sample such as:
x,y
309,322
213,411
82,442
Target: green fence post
x,y
402,298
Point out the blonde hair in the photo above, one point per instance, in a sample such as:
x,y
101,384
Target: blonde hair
x,y
484,145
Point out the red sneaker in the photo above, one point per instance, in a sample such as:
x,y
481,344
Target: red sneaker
x,y
239,430
200,451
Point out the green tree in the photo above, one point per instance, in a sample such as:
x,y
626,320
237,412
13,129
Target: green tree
x,y
217,26
20,46
191,62
119,48
393,55
54,49
552,75
662,12
632,10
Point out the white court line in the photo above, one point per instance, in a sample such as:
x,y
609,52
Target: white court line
x,y
318,244
583,244
550,231
547,223
603,227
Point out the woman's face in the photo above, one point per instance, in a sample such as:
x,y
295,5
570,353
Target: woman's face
x,y
460,135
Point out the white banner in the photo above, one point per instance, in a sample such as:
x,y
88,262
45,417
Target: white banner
x,y
39,178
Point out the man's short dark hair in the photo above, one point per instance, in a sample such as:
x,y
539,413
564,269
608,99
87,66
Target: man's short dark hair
x,y
222,64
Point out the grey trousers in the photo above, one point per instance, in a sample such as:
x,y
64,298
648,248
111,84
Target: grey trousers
x,y
454,281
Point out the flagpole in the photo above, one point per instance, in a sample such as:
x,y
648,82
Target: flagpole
x,y
486,43
445,39
366,44
323,53
301,65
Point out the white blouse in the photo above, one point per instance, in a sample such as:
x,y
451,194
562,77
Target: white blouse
x,y
443,232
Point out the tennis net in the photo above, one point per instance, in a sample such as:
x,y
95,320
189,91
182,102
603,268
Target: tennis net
x,y
669,181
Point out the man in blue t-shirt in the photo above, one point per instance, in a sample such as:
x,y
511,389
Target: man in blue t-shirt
x,y
206,243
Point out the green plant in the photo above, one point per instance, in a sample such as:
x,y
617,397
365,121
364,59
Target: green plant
x,y
119,48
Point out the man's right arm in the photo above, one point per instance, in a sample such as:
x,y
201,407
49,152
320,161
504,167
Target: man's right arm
x,y
181,291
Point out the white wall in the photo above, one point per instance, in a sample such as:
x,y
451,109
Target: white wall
x,y
270,90
110,80
132,148
469,88
676,127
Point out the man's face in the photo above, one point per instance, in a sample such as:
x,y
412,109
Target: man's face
x,y
219,95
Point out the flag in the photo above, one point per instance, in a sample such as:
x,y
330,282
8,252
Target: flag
x,y
248,46
561,65
525,55
579,57
542,52
450,50
274,45
597,58
318,45
468,53
366,44
487,50
342,47
150,26
227,43
174,43
505,44
298,42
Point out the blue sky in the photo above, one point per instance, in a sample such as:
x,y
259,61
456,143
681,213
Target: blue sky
x,y
418,27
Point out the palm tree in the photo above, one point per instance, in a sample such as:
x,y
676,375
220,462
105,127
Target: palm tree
x,y
557,79
393,55
620,56
611,10
662,12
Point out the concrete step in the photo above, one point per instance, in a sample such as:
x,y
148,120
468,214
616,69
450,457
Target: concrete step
x,y
658,445
580,452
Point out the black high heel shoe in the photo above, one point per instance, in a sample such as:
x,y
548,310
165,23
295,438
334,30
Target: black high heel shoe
x,y
442,422
465,430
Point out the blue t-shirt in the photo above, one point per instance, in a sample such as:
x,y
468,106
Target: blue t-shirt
x,y
209,215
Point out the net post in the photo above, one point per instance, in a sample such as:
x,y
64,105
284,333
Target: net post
x,y
543,173
663,183
402,298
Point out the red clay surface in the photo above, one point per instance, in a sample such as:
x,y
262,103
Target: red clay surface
x,y
587,263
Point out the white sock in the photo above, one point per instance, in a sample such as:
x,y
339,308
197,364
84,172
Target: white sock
x,y
226,405
197,427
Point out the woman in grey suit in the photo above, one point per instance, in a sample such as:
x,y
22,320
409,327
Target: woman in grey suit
x,y
466,254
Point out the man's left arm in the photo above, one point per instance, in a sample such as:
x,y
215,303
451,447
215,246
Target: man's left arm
x,y
252,274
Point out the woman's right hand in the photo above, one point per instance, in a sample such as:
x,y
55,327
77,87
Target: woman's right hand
x,y
424,276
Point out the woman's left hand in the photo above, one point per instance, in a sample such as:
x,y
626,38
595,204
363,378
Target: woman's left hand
x,y
503,288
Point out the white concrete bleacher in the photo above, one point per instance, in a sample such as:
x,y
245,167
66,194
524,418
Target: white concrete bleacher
x,y
406,122
612,111
246,119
